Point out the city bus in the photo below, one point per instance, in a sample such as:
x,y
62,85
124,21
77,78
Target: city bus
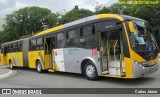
x,y
108,45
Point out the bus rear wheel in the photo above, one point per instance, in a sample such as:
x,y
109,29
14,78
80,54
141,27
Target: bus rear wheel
x,y
90,71
11,64
39,67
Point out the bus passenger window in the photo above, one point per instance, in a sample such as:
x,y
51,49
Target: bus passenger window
x,y
60,36
11,48
19,46
89,30
5,50
72,39
72,34
14,47
87,37
33,45
39,45
93,29
87,41
61,42
81,31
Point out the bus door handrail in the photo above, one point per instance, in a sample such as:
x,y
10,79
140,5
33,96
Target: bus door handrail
x,y
115,51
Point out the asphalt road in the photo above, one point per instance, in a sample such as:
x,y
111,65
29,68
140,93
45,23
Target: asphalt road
x,y
29,78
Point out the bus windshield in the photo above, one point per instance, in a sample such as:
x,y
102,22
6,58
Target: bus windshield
x,y
142,39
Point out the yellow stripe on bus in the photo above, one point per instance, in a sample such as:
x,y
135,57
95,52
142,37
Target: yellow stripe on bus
x,y
50,30
110,16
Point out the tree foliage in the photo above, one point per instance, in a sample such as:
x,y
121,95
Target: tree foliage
x,y
75,14
27,21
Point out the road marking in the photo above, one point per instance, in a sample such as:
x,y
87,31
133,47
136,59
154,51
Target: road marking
x,y
6,74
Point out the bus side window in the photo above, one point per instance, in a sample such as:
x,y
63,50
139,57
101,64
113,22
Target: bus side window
x,y
5,51
11,48
72,38
39,45
87,36
32,44
89,30
19,46
14,47
61,42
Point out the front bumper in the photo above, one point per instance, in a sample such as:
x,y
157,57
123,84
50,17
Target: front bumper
x,y
142,71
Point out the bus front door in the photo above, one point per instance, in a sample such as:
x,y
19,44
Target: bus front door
x,y
111,51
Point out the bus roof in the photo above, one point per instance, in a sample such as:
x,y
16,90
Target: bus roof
x,y
13,41
83,20
126,17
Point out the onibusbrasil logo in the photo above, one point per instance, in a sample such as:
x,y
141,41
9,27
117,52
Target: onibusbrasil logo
x,y
139,1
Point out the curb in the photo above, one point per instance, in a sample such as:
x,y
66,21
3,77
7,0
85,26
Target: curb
x,y
6,74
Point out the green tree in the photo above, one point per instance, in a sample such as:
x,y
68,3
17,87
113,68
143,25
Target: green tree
x,y
114,9
26,21
74,14
150,13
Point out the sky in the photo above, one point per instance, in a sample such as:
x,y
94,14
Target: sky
x,y
9,6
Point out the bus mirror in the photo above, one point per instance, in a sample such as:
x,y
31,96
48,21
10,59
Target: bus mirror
x,y
131,27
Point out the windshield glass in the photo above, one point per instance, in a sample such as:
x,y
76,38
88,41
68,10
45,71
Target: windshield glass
x,y
142,39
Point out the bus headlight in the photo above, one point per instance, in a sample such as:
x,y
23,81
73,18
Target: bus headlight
x,y
136,63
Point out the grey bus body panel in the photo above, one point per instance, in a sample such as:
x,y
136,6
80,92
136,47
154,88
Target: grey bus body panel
x,y
139,71
71,59
25,52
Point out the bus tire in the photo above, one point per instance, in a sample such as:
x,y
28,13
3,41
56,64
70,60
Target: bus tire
x,y
11,64
90,71
39,67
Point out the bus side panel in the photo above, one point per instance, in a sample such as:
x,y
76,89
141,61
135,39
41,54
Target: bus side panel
x,y
73,58
10,58
128,67
20,58
129,64
16,58
4,59
35,55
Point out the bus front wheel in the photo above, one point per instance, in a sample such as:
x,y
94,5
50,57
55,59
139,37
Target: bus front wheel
x,y
39,67
90,71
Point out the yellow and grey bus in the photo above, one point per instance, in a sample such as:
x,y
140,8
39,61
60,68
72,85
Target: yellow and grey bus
x,y
108,45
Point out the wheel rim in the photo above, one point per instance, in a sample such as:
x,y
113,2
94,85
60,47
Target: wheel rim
x,y
39,67
90,70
